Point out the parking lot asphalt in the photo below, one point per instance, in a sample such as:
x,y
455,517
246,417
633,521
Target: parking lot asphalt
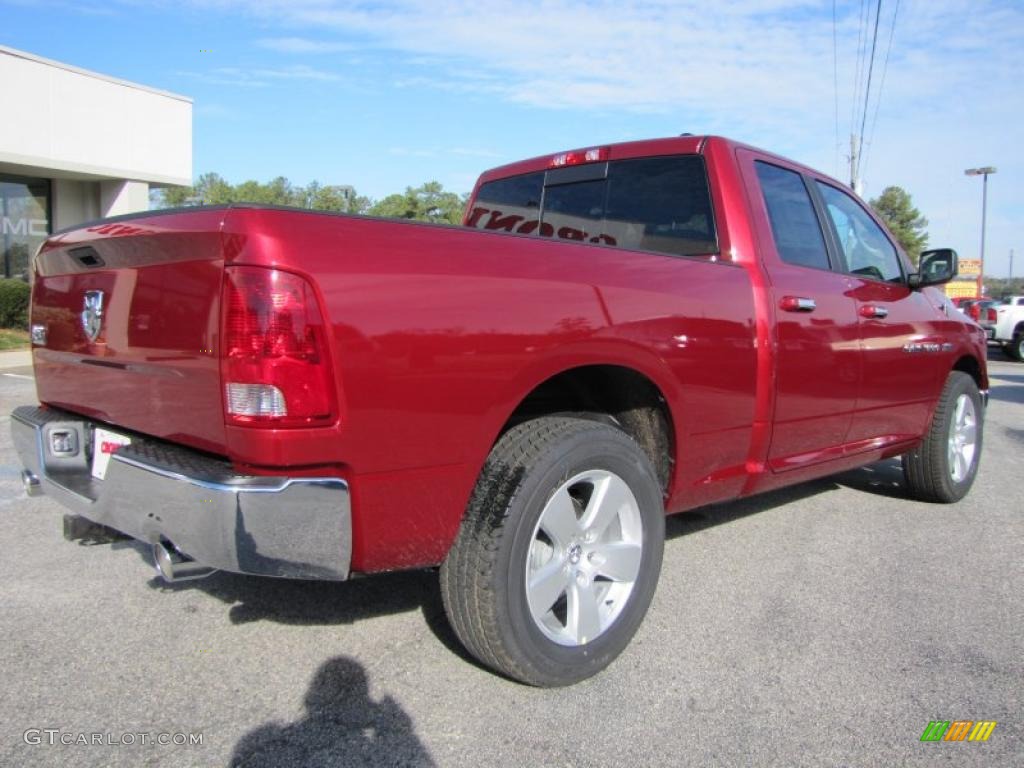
x,y
825,624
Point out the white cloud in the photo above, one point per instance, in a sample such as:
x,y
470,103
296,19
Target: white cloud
x,y
757,70
475,152
231,77
297,72
238,77
435,152
411,152
302,45
769,55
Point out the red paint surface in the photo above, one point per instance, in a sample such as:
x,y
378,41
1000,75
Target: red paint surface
x,y
436,334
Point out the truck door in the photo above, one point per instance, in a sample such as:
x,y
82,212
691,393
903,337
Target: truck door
x,y
817,360
900,331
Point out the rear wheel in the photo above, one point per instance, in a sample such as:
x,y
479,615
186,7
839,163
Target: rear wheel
x,y
943,467
559,553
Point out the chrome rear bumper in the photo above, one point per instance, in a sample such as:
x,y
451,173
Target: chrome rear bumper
x,y
160,492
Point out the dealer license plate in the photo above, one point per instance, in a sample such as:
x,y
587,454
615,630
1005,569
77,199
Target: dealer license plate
x,y
104,443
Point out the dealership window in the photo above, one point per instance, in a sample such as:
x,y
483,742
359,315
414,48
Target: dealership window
x,y
24,222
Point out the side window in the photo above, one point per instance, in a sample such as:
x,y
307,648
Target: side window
x,y
795,226
867,250
508,205
661,204
575,211
649,204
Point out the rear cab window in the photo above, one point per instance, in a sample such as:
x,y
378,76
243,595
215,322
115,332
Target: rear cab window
x,y
658,204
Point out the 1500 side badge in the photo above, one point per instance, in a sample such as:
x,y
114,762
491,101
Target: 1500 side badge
x,y
927,346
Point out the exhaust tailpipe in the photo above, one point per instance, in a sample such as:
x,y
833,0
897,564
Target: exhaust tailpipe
x,y
31,483
172,565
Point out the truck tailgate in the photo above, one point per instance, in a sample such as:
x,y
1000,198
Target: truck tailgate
x,y
130,310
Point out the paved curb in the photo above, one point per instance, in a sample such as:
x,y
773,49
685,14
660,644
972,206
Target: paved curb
x,y
16,358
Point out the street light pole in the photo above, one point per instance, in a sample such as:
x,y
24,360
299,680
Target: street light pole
x,y
984,173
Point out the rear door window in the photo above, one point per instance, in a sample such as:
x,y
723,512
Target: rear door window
x,y
795,227
659,204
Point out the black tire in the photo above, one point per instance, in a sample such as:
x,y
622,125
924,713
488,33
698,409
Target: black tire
x,y
1015,348
484,578
929,474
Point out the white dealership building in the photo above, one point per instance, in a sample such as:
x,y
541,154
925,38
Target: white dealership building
x,y
80,146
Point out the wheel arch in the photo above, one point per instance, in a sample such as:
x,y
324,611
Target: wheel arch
x,y
626,396
969,364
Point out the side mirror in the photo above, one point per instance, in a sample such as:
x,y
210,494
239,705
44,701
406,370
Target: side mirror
x,y
934,268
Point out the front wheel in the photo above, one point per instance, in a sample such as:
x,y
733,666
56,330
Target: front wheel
x,y
943,467
559,553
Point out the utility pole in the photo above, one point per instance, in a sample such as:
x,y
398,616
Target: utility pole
x,y
854,177
1011,263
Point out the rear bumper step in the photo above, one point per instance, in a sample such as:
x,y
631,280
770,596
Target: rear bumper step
x,y
162,493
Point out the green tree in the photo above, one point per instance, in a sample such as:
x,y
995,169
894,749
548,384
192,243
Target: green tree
x,y
429,202
903,219
212,189
999,287
333,198
169,197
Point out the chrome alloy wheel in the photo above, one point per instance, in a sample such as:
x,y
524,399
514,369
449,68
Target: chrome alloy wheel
x,y
963,438
584,557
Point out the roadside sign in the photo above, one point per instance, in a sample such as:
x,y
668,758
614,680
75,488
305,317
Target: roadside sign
x,y
961,289
969,267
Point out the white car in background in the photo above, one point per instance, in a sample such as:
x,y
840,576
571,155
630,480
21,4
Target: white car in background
x,y
1009,327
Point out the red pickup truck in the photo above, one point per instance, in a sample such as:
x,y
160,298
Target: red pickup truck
x,y
615,334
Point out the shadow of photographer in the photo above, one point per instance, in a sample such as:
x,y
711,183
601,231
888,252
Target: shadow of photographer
x,y
342,726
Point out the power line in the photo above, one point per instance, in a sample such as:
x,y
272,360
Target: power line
x,y
881,85
861,50
835,79
867,90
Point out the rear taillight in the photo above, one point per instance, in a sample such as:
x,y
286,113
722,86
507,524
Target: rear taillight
x,y
974,311
275,368
991,315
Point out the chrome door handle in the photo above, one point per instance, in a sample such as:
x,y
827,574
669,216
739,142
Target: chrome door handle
x,y
870,310
797,304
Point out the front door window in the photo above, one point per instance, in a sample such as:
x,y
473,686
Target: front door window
x,y
868,252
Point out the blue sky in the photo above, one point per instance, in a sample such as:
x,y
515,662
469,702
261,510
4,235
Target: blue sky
x,y
381,95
